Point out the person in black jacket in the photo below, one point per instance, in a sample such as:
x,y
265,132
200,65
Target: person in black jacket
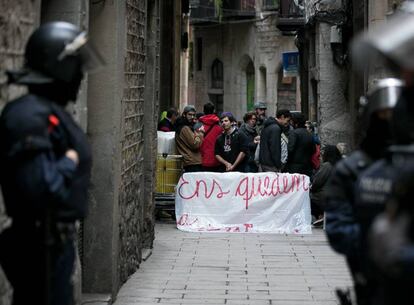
x,y
270,152
231,146
249,131
300,148
330,156
45,167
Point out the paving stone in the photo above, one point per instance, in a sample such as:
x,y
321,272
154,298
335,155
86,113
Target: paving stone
x,y
247,302
207,268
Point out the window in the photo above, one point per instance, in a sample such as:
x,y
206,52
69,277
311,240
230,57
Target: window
x,y
217,100
199,53
286,92
217,74
250,86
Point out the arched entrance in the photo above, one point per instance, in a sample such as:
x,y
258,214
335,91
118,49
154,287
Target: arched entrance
x,y
250,86
217,80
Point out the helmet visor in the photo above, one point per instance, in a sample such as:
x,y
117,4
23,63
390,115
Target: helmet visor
x,y
90,58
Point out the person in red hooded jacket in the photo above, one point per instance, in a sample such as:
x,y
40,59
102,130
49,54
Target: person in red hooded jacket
x,y
212,130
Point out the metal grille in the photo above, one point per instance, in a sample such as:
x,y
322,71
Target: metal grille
x,y
132,155
157,65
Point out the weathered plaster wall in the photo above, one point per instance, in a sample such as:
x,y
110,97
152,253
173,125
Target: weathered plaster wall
x,y
335,121
18,18
235,45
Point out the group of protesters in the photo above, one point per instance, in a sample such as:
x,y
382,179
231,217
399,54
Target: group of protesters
x,y
219,143
286,143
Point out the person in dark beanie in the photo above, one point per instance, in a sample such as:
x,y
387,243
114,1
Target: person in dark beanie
x,y
260,109
188,141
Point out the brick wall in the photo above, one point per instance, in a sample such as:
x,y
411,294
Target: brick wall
x,y
131,188
152,88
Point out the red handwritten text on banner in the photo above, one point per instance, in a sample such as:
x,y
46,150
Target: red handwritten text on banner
x,y
238,202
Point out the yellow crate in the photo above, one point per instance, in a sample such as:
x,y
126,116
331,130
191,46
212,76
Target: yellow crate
x,y
169,170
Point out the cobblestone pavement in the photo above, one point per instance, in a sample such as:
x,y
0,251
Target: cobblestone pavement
x,y
211,268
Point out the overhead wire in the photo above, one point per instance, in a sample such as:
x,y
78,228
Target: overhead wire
x,y
231,21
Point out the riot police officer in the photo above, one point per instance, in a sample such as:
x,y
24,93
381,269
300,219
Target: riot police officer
x,y
390,242
45,166
374,188
391,180
343,227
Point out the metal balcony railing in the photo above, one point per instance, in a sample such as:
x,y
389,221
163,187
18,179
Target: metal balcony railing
x,y
202,11
206,11
270,5
291,15
291,8
242,8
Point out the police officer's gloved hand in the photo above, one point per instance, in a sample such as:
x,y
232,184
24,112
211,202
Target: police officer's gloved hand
x,y
388,236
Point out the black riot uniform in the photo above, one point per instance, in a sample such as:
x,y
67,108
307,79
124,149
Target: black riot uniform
x,y
341,227
391,240
44,189
347,214
372,191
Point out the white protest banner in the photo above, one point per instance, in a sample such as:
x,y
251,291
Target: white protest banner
x,y
238,202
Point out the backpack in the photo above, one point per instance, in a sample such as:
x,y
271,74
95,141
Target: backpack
x,y
257,153
315,159
283,150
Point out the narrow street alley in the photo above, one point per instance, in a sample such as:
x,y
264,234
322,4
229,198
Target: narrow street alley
x,y
211,268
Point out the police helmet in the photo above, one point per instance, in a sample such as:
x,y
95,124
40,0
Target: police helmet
x,y
383,95
56,51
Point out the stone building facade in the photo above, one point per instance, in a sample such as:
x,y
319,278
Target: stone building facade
x,y
325,74
247,54
17,21
330,88
118,107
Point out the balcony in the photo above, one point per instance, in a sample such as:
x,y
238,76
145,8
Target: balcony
x,y
291,16
270,5
239,9
205,11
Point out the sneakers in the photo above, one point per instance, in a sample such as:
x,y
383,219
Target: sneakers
x,y
318,223
161,214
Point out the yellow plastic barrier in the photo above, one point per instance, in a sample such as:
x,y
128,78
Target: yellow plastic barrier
x,y
169,169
